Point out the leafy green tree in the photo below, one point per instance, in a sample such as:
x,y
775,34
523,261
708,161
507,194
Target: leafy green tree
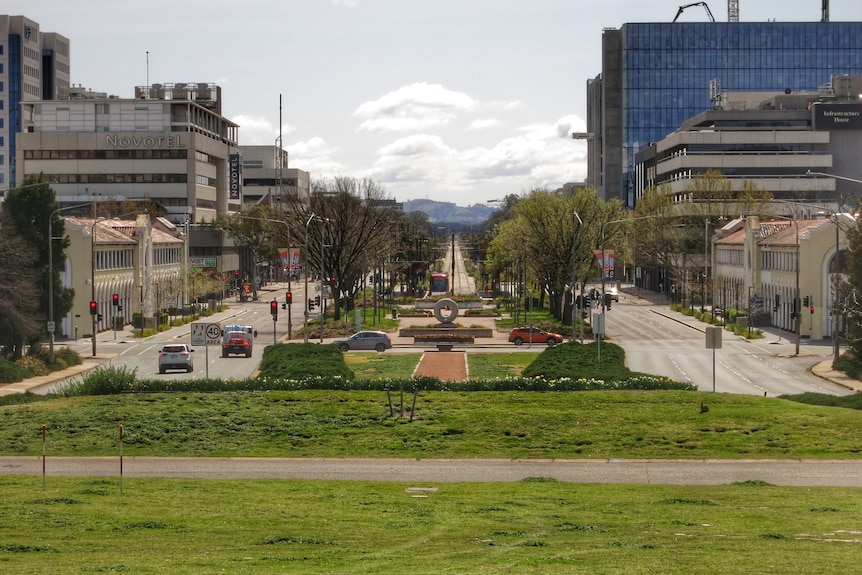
x,y
19,306
28,208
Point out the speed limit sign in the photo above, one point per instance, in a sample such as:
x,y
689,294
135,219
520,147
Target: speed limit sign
x,y
213,333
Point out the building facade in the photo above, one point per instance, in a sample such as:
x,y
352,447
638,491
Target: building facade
x,y
761,267
169,145
655,76
775,143
141,260
34,66
267,179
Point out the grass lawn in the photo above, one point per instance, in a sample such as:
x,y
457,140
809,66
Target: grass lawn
x,y
182,526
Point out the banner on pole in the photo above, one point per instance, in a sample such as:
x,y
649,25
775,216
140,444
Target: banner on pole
x,y
606,265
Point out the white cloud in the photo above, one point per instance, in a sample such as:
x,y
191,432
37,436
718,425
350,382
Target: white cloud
x,y
314,156
258,130
483,123
414,107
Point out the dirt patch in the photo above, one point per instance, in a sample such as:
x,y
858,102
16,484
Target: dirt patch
x,y
444,365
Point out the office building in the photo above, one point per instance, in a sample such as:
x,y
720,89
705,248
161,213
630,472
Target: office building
x,y
266,179
34,66
785,144
169,145
655,76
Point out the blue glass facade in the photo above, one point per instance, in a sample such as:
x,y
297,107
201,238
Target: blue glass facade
x,y
666,69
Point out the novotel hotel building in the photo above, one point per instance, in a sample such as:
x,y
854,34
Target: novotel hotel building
x,y
170,144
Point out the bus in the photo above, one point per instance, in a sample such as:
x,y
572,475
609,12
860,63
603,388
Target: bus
x,y
439,284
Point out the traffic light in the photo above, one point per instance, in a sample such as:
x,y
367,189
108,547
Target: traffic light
x,y
811,309
317,300
236,275
273,308
115,299
608,300
224,277
310,303
288,298
805,301
94,307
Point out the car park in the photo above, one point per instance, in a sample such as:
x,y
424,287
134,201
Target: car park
x,y
521,335
367,340
176,356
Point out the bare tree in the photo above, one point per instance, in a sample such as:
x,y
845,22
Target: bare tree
x,y
19,306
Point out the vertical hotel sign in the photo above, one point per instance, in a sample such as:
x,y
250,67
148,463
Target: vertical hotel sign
x,y
235,176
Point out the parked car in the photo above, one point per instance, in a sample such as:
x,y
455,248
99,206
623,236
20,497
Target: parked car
x,y
613,293
176,356
522,335
376,340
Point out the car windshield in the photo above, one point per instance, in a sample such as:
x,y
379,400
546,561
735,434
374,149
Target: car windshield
x,y
173,348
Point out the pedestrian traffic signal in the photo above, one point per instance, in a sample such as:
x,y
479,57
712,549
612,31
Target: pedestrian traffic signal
x,y
805,301
273,308
94,308
115,299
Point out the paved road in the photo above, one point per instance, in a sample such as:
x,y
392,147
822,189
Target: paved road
x,y
799,473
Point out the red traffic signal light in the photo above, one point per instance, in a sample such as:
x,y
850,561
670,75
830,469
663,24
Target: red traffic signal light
x,y
236,274
94,308
288,298
811,309
273,308
224,277
115,299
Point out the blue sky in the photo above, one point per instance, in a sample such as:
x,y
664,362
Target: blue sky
x,y
453,100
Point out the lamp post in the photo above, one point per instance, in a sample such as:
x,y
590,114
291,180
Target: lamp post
x,y
576,299
93,316
51,269
311,218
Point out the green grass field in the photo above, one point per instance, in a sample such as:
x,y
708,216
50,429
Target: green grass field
x,y
183,526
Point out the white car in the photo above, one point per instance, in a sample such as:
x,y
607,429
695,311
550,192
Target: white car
x,y
176,356
613,293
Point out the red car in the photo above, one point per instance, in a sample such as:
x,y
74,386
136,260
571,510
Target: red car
x,y
522,335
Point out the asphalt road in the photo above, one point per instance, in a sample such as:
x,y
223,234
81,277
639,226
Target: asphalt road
x,y
798,473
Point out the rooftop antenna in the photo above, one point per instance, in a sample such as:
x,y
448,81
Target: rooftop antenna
x,y
148,72
825,16
733,10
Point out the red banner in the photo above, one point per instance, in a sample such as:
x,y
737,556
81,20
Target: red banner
x,y
606,264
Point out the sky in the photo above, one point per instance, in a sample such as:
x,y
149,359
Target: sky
x,y
462,101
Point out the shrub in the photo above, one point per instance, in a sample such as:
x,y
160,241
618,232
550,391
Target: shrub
x,y
32,365
443,337
302,360
11,372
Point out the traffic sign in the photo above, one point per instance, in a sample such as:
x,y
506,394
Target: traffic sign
x,y
199,333
50,327
213,334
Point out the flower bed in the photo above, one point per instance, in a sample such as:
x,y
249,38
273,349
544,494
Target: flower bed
x,y
447,338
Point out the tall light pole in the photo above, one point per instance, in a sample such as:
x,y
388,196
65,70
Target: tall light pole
x,y
51,269
576,299
311,218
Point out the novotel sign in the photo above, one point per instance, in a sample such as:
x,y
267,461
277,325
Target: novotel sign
x,y
145,141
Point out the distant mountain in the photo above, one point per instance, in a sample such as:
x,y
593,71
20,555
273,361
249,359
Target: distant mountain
x,y
449,212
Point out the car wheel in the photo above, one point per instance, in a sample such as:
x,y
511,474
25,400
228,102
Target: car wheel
x,y
161,370
224,354
518,341
380,348
551,342
343,347
248,354
189,369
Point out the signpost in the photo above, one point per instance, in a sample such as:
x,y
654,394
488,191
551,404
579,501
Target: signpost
x,y
713,342
206,334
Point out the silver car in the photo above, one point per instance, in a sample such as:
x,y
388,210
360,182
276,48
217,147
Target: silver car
x,y
376,340
176,356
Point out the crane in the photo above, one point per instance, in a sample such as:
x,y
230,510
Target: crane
x,y
682,9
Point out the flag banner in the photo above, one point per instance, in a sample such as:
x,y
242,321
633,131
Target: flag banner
x,y
606,265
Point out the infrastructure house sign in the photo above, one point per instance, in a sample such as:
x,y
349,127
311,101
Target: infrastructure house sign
x,y
837,116
115,141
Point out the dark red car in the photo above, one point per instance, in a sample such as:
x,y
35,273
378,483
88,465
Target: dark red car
x,y
522,335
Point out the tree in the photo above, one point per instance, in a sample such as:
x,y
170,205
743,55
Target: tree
x,y
28,208
19,306
350,222
849,290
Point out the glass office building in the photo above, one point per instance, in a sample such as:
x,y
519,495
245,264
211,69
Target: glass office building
x,y
657,75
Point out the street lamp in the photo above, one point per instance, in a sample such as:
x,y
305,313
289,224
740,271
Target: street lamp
x,y
51,270
311,218
576,299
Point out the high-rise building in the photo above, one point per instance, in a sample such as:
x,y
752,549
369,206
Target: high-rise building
x,y
655,76
34,65
169,144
